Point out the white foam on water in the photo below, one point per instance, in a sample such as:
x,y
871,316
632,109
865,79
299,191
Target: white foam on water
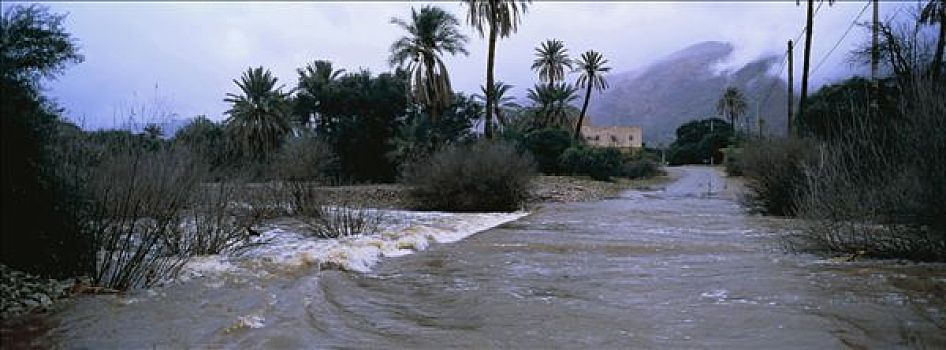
x,y
404,232
251,321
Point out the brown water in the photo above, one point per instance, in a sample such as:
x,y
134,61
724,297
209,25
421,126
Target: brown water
x,y
682,267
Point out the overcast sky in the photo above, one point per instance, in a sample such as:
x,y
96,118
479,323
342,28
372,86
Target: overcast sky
x,y
182,57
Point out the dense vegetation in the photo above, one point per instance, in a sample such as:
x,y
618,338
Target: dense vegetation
x,y
866,168
129,209
701,142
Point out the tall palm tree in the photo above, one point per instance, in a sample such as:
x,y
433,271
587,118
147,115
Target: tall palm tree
x,y
432,32
732,104
935,13
803,100
553,104
498,18
551,61
314,78
258,117
592,67
501,100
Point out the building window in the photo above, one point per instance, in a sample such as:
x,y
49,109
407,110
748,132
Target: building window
x,y
630,138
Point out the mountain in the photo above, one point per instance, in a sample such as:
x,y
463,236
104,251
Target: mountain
x,y
685,86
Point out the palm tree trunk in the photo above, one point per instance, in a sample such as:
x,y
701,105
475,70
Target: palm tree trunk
x,y
433,95
499,116
584,108
804,73
938,56
491,56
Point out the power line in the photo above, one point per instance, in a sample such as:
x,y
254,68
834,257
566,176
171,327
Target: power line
x,y
785,55
838,43
798,37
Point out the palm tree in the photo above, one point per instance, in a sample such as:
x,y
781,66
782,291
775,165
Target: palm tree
x,y
553,104
935,13
803,101
313,80
732,104
592,68
258,118
498,18
500,100
551,61
431,33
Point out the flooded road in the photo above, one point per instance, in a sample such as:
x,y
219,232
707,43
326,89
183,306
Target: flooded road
x,y
679,267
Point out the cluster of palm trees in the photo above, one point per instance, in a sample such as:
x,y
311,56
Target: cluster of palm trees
x,y
433,32
260,115
553,99
732,104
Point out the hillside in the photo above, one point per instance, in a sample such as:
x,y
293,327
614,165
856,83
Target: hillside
x,y
685,86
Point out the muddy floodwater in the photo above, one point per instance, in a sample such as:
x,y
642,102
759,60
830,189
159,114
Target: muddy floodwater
x,y
677,267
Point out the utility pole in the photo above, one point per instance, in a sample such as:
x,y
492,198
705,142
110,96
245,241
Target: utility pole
x,y
791,89
874,58
806,58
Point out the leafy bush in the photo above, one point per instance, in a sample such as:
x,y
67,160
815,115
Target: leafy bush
x,y
774,171
597,162
700,141
732,161
207,140
643,167
359,114
546,147
40,202
483,176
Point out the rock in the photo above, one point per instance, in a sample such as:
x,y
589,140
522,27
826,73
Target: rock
x,y
22,292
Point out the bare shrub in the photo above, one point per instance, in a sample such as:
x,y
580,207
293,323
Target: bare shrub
x,y
305,158
212,224
774,174
881,191
263,201
485,176
342,221
136,201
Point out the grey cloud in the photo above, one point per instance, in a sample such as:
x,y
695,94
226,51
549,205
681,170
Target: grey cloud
x,y
192,51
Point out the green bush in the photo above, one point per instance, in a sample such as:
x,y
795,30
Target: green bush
x,y
483,176
207,140
700,141
596,162
731,159
547,146
640,168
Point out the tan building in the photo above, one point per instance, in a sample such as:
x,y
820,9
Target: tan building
x,y
627,138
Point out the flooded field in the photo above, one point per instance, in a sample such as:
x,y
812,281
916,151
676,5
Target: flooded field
x,y
678,267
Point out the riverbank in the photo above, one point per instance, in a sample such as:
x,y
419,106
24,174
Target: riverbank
x,y
606,274
544,189
23,293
